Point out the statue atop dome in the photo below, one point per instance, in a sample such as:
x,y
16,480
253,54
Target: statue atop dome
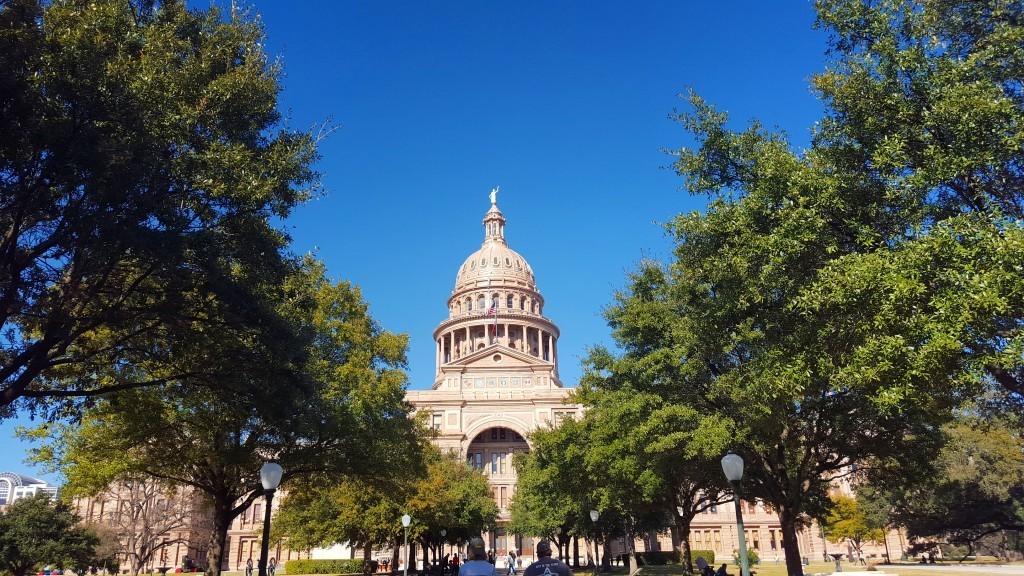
x,y
494,195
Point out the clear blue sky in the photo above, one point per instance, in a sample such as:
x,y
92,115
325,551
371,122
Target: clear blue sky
x,y
563,104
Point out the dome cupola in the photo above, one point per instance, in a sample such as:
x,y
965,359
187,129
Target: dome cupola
x,y
494,264
496,311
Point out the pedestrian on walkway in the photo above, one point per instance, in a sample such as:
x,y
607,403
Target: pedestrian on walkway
x,y
477,565
545,564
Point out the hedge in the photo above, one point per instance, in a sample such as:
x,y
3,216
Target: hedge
x,y
657,558
671,557
708,555
348,566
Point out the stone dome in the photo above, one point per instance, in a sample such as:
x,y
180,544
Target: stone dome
x,y
494,264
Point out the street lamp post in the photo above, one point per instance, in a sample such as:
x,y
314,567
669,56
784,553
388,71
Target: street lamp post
x,y
732,465
440,546
270,477
406,520
594,515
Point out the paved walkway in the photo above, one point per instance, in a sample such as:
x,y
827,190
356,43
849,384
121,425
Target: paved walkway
x,y
1013,569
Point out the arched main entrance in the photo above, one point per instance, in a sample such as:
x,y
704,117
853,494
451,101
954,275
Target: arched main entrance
x,y
491,451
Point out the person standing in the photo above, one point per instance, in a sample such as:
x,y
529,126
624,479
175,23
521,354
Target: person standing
x,y
477,565
545,564
510,561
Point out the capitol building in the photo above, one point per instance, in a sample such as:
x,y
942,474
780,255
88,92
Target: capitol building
x,y
496,376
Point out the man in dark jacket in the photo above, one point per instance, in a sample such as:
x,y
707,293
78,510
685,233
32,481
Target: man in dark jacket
x,y
545,564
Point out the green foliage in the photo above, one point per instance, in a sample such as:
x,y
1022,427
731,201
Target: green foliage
x,y
343,413
37,530
144,163
753,559
837,304
364,511
659,558
847,522
451,496
708,555
347,566
975,489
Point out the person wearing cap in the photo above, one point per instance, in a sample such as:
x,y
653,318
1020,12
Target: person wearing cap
x,y
477,565
545,564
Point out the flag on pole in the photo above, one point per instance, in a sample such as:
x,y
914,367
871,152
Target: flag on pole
x,y
493,311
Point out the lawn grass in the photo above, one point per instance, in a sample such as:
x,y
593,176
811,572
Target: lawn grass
x,y
767,569
770,569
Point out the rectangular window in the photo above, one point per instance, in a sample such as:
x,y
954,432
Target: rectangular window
x,y
713,509
256,509
755,537
494,433
504,497
707,539
479,460
718,541
771,539
502,461
501,434
435,421
752,507
494,463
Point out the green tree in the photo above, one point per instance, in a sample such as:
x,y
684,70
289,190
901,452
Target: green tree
x,y
37,530
976,486
357,511
834,305
366,512
554,491
142,165
340,412
673,446
846,521
451,497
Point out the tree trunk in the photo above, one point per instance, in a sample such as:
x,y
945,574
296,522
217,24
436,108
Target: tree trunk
x,y
576,552
426,557
787,520
368,567
606,557
682,528
395,549
218,537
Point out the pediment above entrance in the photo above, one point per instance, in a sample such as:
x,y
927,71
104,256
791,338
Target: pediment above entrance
x,y
497,357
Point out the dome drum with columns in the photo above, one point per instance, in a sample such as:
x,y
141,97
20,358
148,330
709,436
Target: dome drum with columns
x,y
496,377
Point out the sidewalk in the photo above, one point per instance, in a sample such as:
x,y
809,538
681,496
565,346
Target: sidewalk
x,y
1002,569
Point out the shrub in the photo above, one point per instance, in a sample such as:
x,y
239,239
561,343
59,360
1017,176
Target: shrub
x,y
708,555
752,558
657,558
347,566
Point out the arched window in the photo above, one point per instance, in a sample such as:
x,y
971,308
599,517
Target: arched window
x,y
522,303
469,304
482,302
508,301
